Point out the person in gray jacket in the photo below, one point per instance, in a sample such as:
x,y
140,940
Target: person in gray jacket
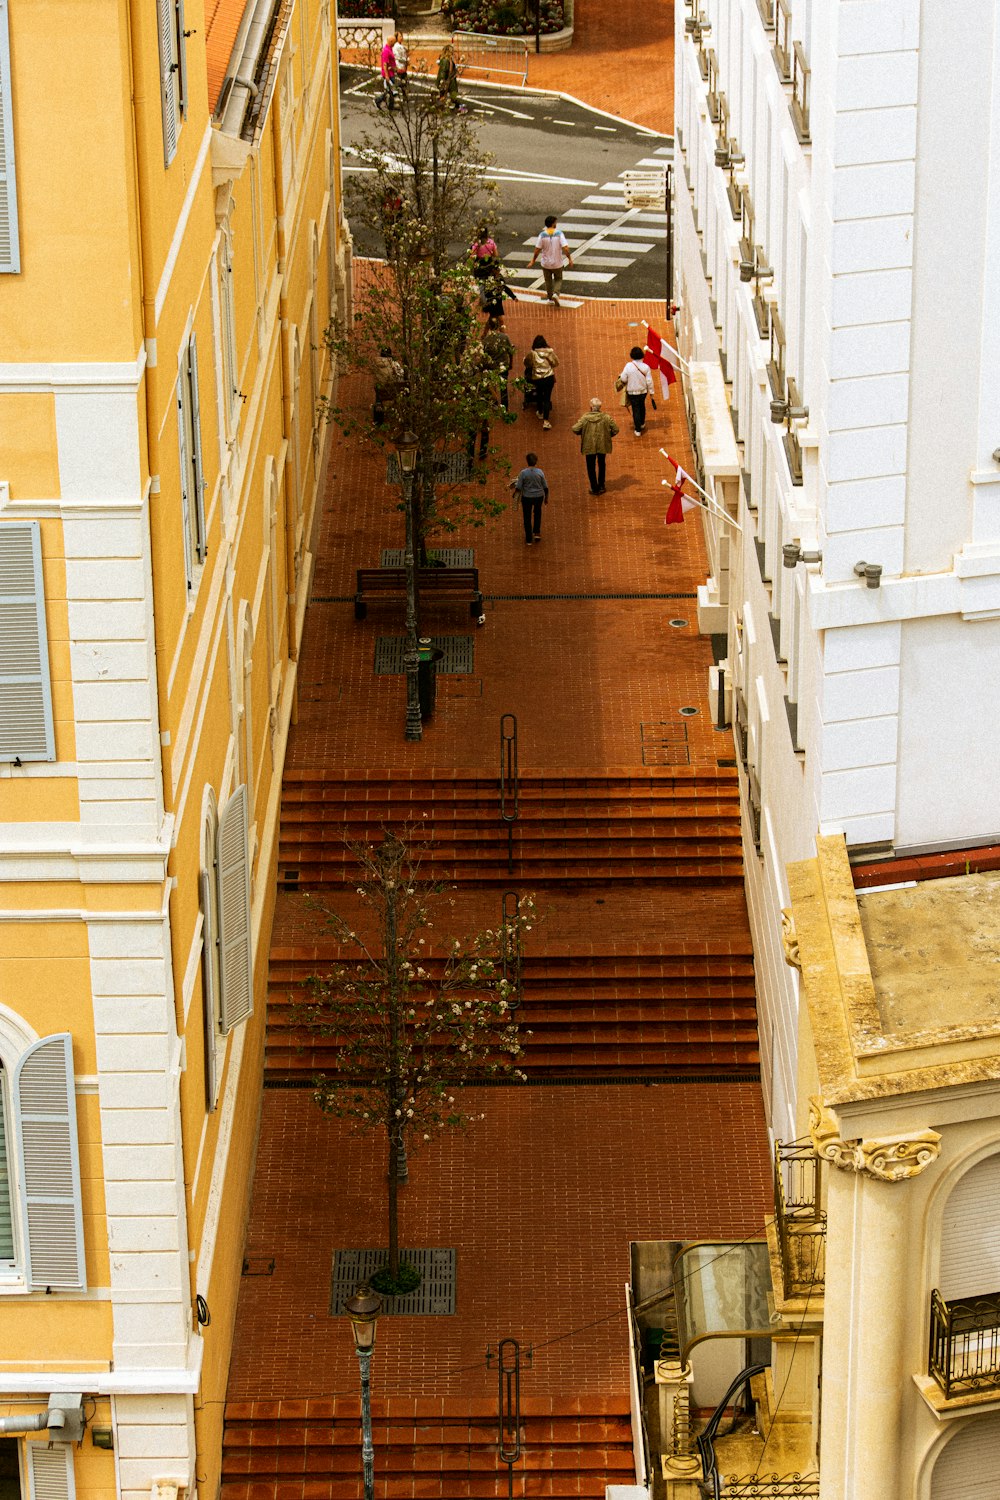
x,y
595,429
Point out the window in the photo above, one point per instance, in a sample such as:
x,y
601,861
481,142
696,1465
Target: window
x,y
192,469
173,72
51,1471
227,317
26,729
41,1219
10,255
10,1469
227,970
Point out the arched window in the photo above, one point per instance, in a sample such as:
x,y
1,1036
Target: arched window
x,y
967,1466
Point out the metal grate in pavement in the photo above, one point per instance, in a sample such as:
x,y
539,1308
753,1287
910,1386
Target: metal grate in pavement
x,y
459,654
449,468
434,1297
664,743
450,557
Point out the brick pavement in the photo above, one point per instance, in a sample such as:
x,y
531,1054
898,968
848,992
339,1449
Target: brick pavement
x,y
541,1197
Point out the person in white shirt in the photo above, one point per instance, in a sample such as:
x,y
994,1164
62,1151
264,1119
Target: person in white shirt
x,y
551,246
636,380
401,53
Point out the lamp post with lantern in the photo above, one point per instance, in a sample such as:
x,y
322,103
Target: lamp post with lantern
x,y
363,1310
407,450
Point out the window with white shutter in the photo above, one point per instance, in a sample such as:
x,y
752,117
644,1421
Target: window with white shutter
x,y
970,1234
50,1471
10,254
26,731
235,954
210,977
191,466
227,311
49,1164
173,72
967,1466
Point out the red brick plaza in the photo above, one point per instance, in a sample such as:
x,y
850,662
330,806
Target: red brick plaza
x,y
541,1198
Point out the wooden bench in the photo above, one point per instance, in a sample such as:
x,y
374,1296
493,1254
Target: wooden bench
x,y
432,583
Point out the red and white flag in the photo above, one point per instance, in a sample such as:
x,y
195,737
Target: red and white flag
x,y
680,503
661,356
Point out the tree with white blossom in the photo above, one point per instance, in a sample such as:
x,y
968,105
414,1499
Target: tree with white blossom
x,y
413,1017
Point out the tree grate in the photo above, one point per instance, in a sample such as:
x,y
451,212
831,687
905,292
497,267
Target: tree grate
x,y
449,468
390,650
447,557
434,1297
664,743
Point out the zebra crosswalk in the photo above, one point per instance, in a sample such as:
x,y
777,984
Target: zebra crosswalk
x,y
606,238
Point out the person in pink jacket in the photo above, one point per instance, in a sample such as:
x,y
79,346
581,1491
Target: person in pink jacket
x,y
387,94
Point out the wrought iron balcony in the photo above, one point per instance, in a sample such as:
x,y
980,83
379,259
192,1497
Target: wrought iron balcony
x,y
964,1353
801,80
798,1218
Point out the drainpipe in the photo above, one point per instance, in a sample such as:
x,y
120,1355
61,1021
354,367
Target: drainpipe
x,y
64,1418
287,390
246,50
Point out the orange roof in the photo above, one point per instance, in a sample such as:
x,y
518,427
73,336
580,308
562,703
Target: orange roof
x,y
222,21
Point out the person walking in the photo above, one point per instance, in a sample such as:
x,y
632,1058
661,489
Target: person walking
x,y
388,377
447,79
636,380
401,57
533,488
551,246
484,254
595,430
387,65
500,356
543,374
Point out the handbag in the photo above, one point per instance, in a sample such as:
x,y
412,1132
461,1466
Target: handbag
x,y
619,384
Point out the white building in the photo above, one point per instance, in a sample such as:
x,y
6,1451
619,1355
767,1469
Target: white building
x,y
838,254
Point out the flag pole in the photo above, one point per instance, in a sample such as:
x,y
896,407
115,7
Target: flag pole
x,y
710,505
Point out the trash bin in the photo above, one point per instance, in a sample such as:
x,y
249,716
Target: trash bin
x,y
429,656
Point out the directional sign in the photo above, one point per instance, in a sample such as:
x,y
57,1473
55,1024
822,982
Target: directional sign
x,y
645,189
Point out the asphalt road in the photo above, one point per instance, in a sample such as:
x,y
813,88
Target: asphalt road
x,y
552,157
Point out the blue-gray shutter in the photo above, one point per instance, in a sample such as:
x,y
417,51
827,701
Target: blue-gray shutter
x,y
166,30
235,949
10,253
186,498
6,1207
50,1471
49,1161
182,77
26,731
197,467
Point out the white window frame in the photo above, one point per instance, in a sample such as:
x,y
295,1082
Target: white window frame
x,y
228,340
51,1474
211,978
192,467
171,39
10,240
235,913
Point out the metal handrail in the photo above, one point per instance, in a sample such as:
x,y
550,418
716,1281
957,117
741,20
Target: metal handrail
x,y
798,1218
964,1347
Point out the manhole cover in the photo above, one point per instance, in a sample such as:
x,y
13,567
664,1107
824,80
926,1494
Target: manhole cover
x,y
451,557
434,1297
449,468
390,650
687,712
678,624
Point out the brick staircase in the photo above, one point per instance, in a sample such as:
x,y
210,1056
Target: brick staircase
x,y
441,1448
655,826
680,1008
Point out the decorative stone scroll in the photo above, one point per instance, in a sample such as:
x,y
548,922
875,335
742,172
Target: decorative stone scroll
x,y
790,939
892,1159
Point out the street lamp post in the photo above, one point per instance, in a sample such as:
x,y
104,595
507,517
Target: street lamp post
x,y
406,449
363,1310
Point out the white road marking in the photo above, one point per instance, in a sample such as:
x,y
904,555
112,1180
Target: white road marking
x,y
598,199
570,123
592,277
609,128
515,257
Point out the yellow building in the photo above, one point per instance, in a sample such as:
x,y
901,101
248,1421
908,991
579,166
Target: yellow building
x,y
171,246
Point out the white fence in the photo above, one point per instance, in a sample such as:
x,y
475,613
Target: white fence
x,y
503,59
364,36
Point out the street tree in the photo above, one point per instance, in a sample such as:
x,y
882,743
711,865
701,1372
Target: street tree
x,y
414,1019
420,190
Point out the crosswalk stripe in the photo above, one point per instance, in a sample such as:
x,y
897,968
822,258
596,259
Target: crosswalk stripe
x,y
585,257
592,277
597,198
